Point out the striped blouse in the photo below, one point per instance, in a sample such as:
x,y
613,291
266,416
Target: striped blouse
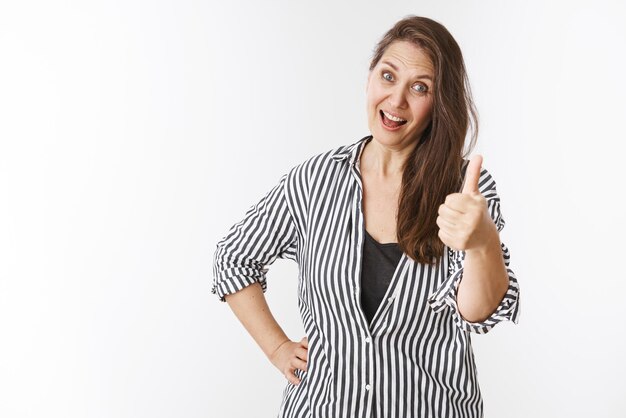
x,y
415,359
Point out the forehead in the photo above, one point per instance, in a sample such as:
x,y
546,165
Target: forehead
x,y
408,57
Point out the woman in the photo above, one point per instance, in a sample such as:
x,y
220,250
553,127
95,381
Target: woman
x,y
397,241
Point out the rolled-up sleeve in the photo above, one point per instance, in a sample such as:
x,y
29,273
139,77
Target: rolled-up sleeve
x,y
265,233
445,295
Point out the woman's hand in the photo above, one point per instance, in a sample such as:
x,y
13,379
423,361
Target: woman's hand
x,y
464,221
289,356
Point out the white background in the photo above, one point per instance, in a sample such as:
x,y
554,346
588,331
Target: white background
x,y
134,134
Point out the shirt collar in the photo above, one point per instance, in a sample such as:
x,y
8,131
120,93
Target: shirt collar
x,y
352,152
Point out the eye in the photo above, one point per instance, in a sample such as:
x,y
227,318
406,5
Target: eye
x,y
420,88
387,75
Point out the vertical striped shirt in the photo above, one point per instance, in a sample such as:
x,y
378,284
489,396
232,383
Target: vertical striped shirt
x,y
415,359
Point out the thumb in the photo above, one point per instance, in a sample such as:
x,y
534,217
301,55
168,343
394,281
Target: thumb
x,y
305,342
472,175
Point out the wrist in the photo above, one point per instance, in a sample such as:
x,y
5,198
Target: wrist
x,y
490,244
275,350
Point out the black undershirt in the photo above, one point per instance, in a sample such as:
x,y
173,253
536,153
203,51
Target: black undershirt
x,y
379,264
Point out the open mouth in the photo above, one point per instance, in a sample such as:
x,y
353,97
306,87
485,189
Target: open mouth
x,y
391,121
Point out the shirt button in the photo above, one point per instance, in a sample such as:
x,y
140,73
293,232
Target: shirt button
x,y
367,340
368,387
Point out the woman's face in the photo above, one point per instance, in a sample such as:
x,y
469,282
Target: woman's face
x,y
400,86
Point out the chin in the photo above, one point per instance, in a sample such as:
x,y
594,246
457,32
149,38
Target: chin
x,y
389,138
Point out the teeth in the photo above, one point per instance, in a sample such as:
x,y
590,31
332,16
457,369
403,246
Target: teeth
x,y
393,118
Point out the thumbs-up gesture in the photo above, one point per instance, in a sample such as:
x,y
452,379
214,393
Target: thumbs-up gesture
x,y
464,221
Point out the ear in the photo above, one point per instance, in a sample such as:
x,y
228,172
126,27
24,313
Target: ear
x,y
367,81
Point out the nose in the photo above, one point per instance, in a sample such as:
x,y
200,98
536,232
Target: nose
x,y
397,97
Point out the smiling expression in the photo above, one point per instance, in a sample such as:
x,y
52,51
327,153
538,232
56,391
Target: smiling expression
x,y
399,88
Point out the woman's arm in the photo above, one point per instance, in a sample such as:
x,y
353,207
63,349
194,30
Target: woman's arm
x,y
250,307
485,281
481,288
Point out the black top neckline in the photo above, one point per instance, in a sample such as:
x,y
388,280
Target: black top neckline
x,y
386,244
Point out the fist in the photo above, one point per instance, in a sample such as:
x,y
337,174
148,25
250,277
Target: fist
x,y
464,221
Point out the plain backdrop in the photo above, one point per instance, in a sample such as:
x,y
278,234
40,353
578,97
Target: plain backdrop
x,y
133,134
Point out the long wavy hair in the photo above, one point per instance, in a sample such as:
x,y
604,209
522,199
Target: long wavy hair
x,y
436,166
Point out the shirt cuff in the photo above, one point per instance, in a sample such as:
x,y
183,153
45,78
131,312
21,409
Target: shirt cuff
x,y
235,279
507,310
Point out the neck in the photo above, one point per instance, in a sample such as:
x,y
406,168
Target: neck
x,y
384,161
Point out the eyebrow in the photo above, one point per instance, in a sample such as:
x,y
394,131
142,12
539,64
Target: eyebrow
x,y
426,76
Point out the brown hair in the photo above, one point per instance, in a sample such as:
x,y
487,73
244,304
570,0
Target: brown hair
x,y
434,168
